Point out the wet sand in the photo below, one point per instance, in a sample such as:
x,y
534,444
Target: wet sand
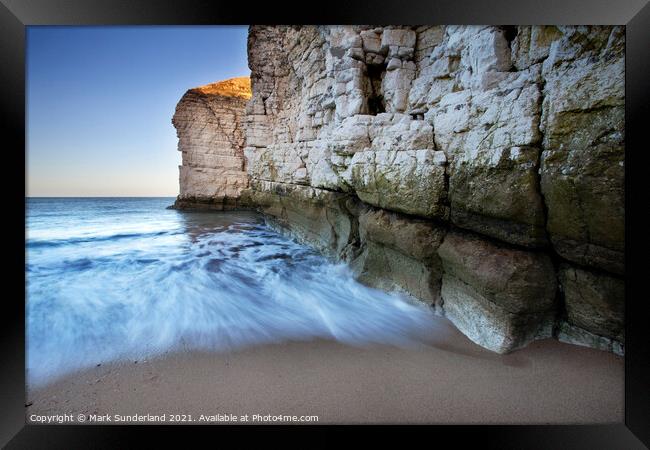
x,y
449,380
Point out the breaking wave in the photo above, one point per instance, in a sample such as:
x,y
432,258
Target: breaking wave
x,y
129,279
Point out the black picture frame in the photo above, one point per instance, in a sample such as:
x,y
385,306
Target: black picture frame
x,y
15,15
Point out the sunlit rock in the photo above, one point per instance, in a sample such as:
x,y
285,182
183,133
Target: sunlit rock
x,y
208,121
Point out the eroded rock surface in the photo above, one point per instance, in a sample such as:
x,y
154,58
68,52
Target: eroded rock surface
x,y
400,252
584,153
502,297
208,122
594,308
471,167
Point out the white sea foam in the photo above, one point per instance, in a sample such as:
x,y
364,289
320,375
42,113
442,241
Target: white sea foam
x,y
112,279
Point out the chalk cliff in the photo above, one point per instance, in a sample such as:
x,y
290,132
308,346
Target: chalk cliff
x,y
479,169
208,122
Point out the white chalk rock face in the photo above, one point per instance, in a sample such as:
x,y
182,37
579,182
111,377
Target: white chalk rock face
x,y
511,135
363,139
210,131
407,181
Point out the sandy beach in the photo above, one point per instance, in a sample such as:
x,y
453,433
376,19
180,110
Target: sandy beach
x,y
448,380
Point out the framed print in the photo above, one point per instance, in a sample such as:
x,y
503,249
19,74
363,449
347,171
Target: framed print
x,y
419,215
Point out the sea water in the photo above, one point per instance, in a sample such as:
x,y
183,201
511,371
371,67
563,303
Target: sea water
x,y
125,278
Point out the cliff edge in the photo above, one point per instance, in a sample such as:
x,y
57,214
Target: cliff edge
x,y
208,122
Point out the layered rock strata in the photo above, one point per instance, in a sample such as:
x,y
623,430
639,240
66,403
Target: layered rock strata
x,y
479,169
208,121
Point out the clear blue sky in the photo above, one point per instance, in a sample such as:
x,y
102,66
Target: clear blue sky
x,y
100,102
